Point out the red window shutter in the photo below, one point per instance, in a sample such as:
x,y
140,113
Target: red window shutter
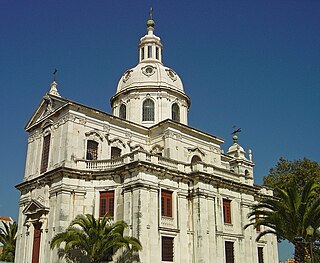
x,y
229,252
106,203
45,153
167,248
227,211
166,203
36,243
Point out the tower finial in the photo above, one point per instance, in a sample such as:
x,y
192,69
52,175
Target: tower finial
x,y
53,86
54,74
234,133
150,22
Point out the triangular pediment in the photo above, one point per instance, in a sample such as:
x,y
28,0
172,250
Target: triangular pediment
x,y
48,105
196,150
35,207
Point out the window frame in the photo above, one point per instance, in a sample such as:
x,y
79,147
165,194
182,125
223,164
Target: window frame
x,y
92,152
166,203
227,214
148,110
167,248
115,152
106,203
149,51
195,159
175,112
45,153
123,111
229,251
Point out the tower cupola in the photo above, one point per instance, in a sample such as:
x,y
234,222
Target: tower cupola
x,y
150,47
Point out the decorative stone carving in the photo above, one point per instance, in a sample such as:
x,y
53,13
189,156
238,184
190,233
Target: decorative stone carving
x,y
148,70
94,135
172,75
196,150
126,75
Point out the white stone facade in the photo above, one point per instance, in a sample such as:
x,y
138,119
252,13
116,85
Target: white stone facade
x,y
156,156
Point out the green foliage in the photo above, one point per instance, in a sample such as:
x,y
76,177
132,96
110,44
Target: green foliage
x,y
92,240
297,172
8,236
129,256
289,215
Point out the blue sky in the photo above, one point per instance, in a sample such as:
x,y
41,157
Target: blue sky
x,y
253,64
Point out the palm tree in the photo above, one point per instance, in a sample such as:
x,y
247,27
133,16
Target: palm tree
x,y
289,217
92,240
8,236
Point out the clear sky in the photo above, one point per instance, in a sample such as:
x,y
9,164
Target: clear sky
x,y
253,64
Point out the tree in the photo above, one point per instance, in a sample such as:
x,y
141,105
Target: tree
x,y
297,172
8,236
92,240
289,216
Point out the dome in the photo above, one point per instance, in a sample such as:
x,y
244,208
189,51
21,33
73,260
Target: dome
x,y
150,92
150,75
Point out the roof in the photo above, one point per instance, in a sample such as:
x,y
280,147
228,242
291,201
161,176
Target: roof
x,y
6,219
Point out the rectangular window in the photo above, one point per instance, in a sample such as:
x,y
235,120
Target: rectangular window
x,y
166,203
260,255
45,153
167,248
92,150
106,203
142,53
229,252
157,53
227,211
149,51
115,152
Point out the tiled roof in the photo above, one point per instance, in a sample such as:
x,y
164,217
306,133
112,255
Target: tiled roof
x,y
6,219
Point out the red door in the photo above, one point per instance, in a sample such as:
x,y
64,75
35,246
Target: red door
x,y
36,243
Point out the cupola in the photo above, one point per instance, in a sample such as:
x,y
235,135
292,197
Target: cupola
x,y
150,92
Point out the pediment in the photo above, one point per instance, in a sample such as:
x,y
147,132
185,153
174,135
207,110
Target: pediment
x,y
196,150
47,106
35,207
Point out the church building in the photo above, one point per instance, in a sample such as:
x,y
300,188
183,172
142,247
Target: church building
x,y
184,198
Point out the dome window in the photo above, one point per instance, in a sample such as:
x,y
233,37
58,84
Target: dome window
x,y
123,111
175,112
148,110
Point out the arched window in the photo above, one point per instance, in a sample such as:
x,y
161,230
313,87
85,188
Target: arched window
x,y
148,110
92,150
123,111
195,159
175,112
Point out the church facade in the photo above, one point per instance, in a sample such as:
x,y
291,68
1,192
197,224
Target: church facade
x,y
181,195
